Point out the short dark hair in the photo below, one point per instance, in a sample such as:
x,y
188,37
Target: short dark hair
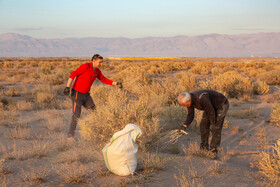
x,y
96,56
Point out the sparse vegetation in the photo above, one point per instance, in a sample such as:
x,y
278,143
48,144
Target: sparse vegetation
x,y
275,114
269,163
34,112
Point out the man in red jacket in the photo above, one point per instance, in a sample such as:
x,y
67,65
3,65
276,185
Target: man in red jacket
x,y
80,96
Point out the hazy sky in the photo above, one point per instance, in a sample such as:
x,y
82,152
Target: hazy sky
x,y
137,18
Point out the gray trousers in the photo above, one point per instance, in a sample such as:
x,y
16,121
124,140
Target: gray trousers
x,y
78,100
216,131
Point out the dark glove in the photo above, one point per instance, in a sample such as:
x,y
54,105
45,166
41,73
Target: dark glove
x,y
119,84
66,91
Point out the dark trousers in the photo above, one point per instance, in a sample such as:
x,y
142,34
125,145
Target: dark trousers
x,y
78,100
216,131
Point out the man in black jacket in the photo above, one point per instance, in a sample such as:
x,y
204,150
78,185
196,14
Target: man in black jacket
x,y
215,106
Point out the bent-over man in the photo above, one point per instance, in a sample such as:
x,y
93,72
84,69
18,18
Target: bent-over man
x,y
215,106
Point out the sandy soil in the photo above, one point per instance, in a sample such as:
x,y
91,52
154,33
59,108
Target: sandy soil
x,y
253,134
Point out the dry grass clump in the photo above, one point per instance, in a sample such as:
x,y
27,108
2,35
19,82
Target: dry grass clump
x,y
45,100
60,142
218,168
19,133
151,162
34,150
148,165
260,87
194,150
269,163
182,180
4,170
231,83
275,114
12,92
25,106
79,154
271,77
34,175
194,179
224,155
54,121
72,173
114,113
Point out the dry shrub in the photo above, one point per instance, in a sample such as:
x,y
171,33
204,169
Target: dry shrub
x,y
173,116
12,92
260,87
154,70
72,173
8,117
25,106
216,71
186,82
114,114
271,77
255,72
164,92
275,114
269,163
34,175
56,78
231,83
45,99
46,68
133,78
194,150
201,68
19,133
4,170
8,64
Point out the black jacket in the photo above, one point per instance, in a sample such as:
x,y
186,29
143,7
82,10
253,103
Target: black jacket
x,y
207,100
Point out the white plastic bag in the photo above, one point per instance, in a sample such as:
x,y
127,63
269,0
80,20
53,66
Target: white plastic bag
x,y
120,154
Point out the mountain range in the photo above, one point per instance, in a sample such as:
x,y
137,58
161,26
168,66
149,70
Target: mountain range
x,y
212,45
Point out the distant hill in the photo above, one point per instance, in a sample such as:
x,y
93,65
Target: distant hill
x,y
212,45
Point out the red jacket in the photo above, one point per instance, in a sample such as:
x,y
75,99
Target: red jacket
x,y
85,77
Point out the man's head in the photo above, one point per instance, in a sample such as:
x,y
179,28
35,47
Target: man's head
x,y
96,60
184,99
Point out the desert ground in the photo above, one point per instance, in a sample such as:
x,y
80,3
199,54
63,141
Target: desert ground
x,y
35,118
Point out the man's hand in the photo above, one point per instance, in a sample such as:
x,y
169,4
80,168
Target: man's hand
x,y
66,91
119,84
183,127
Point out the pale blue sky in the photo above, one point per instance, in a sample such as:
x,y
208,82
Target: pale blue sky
x,y
137,18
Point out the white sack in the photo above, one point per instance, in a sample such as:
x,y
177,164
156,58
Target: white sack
x,y
120,154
